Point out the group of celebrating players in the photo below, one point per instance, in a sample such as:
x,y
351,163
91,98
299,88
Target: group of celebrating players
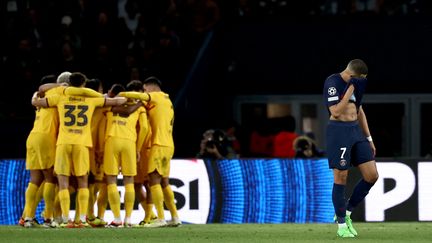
x,y
82,139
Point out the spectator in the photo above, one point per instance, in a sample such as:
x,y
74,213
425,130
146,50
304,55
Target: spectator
x,y
215,145
305,147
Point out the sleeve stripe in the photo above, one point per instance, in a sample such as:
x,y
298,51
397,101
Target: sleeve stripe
x,y
333,98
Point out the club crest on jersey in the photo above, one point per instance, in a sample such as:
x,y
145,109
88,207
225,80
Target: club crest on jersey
x,y
331,91
343,162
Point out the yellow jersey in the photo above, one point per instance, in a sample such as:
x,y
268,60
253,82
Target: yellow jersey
x,y
47,119
75,115
160,112
126,126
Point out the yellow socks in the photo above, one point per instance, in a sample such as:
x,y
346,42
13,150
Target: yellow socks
x,y
129,199
149,214
158,200
91,201
102,200
48,195
30,197
83,198
169,200
64,199
114,200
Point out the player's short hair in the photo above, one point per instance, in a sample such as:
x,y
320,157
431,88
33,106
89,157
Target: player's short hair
x,y
153,80
117,88
48,79
64,77
77,79
93,84
135,85
358,66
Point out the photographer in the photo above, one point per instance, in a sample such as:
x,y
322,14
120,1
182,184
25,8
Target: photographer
x,y
305,147
215,145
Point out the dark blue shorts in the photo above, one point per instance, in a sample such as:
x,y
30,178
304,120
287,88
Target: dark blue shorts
x,y
347,146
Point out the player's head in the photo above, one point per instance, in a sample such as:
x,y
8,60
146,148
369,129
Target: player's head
x,y
135,85
64,77
152,84
48,79
358,68
94,84
115,90
77,79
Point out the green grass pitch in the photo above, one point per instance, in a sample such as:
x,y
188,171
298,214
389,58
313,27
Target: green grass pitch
x,y
411,232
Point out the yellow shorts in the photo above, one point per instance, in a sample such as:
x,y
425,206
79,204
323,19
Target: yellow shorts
x,y
96,167
72,159
120,154
41,149
160,159
142,167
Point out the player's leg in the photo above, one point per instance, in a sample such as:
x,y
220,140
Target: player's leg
x,y
363,158
149,202
129,171
81,165
36,178
129,199
338,198
114,200
49,195
92,198
158,200
102,201
64,199
141,196
169,202
111,170
339,157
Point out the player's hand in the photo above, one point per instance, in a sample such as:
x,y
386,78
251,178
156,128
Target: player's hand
x,y
373,148
120,100
357,81
138,157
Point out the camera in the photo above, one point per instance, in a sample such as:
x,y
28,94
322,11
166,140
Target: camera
x,y
210,143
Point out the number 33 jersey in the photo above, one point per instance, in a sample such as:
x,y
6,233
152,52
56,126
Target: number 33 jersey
x,y
75,115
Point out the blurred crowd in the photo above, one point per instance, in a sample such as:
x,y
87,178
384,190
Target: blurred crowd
x,y
333,7
112,40
123,40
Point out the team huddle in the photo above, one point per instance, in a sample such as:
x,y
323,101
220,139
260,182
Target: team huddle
x,y
82,140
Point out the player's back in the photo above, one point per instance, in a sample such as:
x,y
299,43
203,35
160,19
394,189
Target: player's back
x,y
122,126
75,113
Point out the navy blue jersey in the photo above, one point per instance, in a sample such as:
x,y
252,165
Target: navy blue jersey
x,y
335,88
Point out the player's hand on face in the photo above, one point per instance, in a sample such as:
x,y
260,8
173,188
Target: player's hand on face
x,y
356,81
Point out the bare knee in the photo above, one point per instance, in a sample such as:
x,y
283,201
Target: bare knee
x,y
165,182
372,178
340,176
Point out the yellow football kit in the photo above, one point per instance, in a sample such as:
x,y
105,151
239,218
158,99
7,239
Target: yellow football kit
x,y
41,142
74,139
123,142
160,112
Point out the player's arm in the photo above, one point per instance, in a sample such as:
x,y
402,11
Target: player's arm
x,y
365,127
100,140
143,130
39,102
45,87
338,109
115,101
126,109
136,95
76,91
